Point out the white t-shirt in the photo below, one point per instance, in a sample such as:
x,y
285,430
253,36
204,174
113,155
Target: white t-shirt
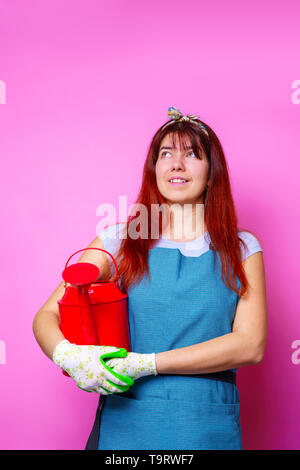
x,y
111,237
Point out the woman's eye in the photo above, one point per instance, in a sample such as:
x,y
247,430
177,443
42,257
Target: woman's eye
x,y
189,153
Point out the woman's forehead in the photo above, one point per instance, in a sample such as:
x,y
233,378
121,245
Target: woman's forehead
x,y
177,141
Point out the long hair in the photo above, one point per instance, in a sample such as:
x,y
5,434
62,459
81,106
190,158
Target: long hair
x,y
219,210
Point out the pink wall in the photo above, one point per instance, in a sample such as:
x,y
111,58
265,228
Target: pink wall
x,y
84,86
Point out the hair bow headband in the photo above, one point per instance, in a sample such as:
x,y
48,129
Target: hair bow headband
x,y
176,115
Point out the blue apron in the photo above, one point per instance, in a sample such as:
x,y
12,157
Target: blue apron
x,y
183,303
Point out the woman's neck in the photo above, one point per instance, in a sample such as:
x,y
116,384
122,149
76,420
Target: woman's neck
x,y
185,224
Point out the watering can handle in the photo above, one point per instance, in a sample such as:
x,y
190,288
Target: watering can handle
x,y
100,249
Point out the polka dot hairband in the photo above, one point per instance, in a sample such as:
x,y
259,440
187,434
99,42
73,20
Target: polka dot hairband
x,y
176,115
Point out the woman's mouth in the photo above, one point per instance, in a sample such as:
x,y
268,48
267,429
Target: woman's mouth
x,y
177,181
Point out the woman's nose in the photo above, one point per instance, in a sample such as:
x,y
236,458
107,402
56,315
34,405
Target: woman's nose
x,y
178,162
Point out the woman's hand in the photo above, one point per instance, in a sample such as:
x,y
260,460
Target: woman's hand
x,y
134,365
84,365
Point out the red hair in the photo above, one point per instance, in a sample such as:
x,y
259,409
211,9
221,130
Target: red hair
x,y
219,211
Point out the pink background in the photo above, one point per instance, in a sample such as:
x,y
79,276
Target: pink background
x,y
87,85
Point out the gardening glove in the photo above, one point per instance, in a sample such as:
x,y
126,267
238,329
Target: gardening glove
x,y
88,370
134,365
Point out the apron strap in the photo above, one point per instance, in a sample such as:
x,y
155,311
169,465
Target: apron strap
x,y
93,440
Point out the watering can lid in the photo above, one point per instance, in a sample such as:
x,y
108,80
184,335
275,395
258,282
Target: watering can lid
x,y
80,273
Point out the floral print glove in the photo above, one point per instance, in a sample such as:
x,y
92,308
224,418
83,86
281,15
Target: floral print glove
x,y
84,365
134,365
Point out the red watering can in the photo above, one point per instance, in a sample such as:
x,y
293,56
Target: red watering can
x,y
93,312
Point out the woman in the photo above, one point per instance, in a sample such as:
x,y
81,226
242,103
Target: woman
x,y
197,306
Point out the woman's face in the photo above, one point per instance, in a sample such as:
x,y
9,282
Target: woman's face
x,y
172,163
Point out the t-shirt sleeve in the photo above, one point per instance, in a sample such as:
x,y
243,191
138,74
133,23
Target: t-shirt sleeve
x,y
252,243
111,238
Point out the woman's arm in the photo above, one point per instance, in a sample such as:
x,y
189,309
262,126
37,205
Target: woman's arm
x,y
46,322
243,346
